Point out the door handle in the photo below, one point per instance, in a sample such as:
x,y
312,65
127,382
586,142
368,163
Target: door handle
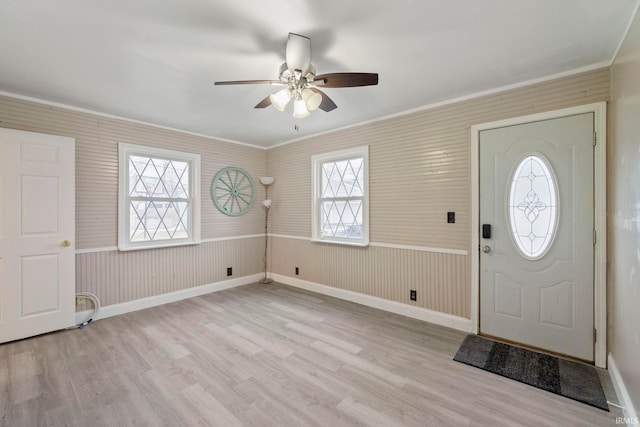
x,y
65,243
486,249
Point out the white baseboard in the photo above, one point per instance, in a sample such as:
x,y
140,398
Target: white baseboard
x,y
630,414
142,303
431,316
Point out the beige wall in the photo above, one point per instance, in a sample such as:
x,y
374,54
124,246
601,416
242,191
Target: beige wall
x,y
119,277
624,212
419,170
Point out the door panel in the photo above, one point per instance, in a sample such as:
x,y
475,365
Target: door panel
x,y
37,207
536,270
39,197
39,284
508,296
558,305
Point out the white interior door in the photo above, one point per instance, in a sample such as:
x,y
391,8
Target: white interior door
x,y
37,231
536,262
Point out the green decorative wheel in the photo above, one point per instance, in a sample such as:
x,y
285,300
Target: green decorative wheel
x,y
233,191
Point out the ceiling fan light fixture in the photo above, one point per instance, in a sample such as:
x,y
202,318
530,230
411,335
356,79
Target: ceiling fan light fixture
x,y
312,99
300,110
298,75
280,99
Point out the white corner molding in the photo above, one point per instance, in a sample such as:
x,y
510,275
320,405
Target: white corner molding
x,y
95,250
585,69
431,316
384,245
142,303
125,119
420,248
630,414
202,241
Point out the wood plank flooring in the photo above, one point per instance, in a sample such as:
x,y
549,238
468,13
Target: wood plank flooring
x,y
265,355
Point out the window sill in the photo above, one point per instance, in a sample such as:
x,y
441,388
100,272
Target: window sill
x,y
341,242
129,247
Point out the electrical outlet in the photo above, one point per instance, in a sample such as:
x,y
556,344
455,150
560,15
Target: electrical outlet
x,y
229,271
413,295
297,271
451,217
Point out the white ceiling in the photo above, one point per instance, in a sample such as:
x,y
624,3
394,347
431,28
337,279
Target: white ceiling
x,y
156,61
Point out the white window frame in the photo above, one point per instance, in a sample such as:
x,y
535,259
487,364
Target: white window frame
x,y
127,150
316,167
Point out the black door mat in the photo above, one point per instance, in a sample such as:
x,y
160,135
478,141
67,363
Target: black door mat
x,y
574,380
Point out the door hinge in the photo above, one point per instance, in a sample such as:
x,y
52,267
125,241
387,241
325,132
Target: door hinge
x,y
595,237
595,138
595,335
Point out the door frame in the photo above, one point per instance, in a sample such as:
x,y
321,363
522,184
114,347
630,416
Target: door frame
x,y
600,215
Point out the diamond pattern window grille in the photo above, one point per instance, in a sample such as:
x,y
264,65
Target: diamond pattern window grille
x,y
341,198
159,199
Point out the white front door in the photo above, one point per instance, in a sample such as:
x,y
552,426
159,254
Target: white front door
x,y
536,234
37,231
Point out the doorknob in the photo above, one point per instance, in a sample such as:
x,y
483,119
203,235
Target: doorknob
x,y
486,249
66,243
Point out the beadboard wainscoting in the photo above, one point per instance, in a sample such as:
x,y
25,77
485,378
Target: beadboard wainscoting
x,y
117,277
439,278
84,314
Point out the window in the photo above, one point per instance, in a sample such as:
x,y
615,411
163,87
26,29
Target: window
x,y
341,197
159,197
533,206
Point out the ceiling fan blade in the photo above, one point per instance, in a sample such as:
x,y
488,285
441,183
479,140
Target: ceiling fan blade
x,y
347,79
264,103
250,82
327,104
298,53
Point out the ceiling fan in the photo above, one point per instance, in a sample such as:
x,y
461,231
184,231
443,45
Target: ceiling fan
x,y
301,83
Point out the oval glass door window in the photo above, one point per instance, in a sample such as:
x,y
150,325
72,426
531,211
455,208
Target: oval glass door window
x,y
533,206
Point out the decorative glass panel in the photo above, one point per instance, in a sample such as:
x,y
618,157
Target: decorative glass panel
x,y
533,206
159,199
341,198
151,220
343,178
149,177
342,218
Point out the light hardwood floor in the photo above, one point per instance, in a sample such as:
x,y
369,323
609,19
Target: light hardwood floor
x,y
265,355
